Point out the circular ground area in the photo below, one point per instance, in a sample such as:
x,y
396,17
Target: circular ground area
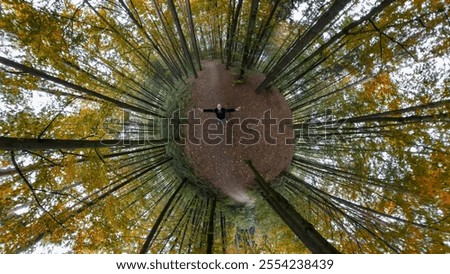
x,y
258,132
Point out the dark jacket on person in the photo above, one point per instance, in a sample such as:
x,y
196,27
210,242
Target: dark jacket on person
x,y
220,113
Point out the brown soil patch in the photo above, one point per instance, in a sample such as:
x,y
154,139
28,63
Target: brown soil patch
x,y
223,164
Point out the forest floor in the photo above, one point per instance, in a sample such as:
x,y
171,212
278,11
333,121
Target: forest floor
x,y
223,164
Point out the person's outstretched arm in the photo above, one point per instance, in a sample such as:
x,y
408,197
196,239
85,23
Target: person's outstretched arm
x,y
233,109
206,109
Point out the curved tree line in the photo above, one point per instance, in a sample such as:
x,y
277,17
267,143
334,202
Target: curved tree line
x,y
367,84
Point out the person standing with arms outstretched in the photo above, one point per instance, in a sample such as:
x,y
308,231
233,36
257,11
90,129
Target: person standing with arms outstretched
x,y
220,111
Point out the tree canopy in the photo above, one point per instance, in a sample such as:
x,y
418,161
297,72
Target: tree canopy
x,y
87,88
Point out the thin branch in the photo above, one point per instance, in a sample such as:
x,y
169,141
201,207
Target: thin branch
x,y
13,158
54,118
394,41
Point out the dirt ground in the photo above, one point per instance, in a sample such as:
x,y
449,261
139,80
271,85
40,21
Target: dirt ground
x,y
223,164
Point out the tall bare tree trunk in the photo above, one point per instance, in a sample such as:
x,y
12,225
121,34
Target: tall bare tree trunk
x,y
183,42
43,75
210,238
11,143
302,42
193,36
162,215
304,230
232,37
248,38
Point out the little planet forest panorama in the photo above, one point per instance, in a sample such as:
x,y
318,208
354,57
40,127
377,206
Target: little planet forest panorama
x,y
224,126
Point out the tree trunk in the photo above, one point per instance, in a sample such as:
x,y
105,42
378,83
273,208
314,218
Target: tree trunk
x,y
248,38
210,239
379,118
231,6
343,32
142,56
9,143
304,230
258,45
157,48
302,42
223,229
169,36
232,38
43,75
155,227
193,36
183,42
